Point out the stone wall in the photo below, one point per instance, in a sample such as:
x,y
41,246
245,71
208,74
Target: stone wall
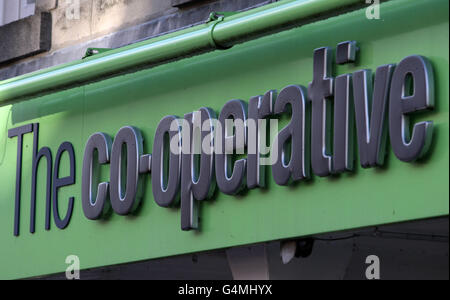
x,y
75,25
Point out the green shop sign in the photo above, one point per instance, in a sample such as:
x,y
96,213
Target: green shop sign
x,y
338,124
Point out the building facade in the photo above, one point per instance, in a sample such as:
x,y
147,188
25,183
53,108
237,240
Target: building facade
x,y
334,164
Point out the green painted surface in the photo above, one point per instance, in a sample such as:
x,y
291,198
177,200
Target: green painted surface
x,y
397,192
167,47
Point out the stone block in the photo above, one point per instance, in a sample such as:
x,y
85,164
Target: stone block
x,y
25,37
